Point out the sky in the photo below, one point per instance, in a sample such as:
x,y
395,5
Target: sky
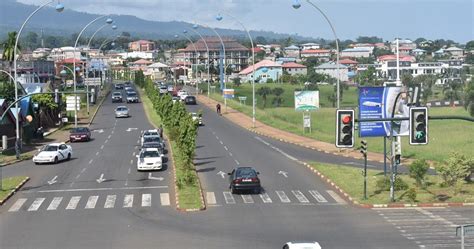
x,y
431,19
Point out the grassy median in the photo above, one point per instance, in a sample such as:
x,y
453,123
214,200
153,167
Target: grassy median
x,y
9,184
188,194
351,180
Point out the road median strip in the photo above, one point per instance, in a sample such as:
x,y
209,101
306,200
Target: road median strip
x,y
10,185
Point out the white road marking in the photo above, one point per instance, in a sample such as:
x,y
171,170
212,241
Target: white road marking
x,y
211,198
247,198
128,201
237,162
126,182
106,140
109,136
133,154
300,196
90,161
229,199
83,170
102,147
110,201
55,203
283,197
225,147
217,137
129,170
131,161
138,141
165,199
53,181
91,202
265,198
73,202
77,177
36,204
146,200
97,153
336,197
113,130
230,154
221,142
15,207
97,189
277,149
319,197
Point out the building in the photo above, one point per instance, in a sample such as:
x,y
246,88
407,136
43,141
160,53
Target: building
x,y
393,57
310,45
418,52
236,54
356,52
264,70
401,43
140,65
321,54
330,69
405,50
293,68
157,71
147,55
41,53
455,52
141,46
35,71
59,54
292,51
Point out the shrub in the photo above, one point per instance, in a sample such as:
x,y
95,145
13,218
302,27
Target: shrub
x,y
418,170
411,194
383,184
455,168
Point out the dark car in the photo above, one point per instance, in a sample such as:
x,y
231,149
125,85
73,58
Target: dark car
x,y
244,179
80,134
132,97
190,100
118,86
116,97
128,83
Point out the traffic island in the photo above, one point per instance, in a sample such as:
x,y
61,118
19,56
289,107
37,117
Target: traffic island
x,y
10,185
349,182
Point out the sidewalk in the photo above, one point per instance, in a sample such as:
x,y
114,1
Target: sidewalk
x,y
266,130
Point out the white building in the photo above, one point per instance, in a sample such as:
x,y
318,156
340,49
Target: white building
x,y
405,43
139,54
322,54
454,52
59,54
41,52
157,71
310,45
293,68
292,51
356,52
330,69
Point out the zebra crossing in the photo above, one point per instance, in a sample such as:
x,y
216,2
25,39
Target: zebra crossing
x,y
429,228
278,196
87,202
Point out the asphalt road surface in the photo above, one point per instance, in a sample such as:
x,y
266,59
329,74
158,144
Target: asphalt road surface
x,y
70,205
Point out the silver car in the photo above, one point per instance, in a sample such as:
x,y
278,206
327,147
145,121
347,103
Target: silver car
x,y
122,112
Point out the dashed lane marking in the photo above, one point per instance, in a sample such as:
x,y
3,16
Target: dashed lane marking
x,y
36,204
165,199
300,196
265,198
15,207
91,202
283,197
73,202
128,201
110,201
316,195
229,199
146,200
211,198
247,198
336,197
55,203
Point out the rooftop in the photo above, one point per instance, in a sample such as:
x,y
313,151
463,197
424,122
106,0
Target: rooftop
x,y
292,65
214,44
261,64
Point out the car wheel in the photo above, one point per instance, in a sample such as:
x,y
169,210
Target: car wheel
x,y
256,191
69,156
56,160
232,190
36,163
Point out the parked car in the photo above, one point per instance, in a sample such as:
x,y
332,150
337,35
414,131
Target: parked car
x,y
118,86
116,97
150,159
197,118
146,133
132,97
190,100
122,112
175,99
163,89
302,245
53,153
243,179
128,83
170,88
129,89
79,134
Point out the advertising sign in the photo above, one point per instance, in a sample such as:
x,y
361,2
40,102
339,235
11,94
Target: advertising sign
x,y
379,102
306,100
228,93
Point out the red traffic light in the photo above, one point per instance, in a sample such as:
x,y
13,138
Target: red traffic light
x,y
346,119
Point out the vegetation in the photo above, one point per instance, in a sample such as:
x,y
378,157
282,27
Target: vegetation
x,y
9,184
456,168
469,97
418,170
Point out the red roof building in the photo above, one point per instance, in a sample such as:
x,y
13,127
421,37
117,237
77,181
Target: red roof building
x,y
393,57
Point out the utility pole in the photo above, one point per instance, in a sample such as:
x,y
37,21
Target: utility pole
x,y
363,150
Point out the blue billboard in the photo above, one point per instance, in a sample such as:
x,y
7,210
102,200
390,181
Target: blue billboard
x,y
379,102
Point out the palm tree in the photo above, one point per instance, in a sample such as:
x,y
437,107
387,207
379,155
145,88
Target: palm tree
x,y
263,92
452,90
8,48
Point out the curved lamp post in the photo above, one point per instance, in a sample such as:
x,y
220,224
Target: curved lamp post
x,y
108,22
297,5
219,18
195,50
195,27
223,48
59,8
74,62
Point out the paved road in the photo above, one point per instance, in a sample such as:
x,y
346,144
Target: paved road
x,y
129,210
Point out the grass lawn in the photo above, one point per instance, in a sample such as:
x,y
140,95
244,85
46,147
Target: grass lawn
x,y
445,136
351,181
9,184
189,195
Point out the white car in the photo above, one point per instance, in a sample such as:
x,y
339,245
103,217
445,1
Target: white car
x,y
182,92
146,133
196,118
53,153
150,159
302,245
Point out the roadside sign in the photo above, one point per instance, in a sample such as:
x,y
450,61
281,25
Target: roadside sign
x,y
228,93
92,81
468,230
306,100
71,102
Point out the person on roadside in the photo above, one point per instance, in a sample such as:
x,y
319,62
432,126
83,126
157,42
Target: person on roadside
x,y
218,108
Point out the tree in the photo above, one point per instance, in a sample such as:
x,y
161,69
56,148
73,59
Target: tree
x,y
263,92
452,90
9,50
470,45
277,100
407,80
456,168
7,90
236,81
369,39
368,77
31,40
469,97
418,170
428,81
469,59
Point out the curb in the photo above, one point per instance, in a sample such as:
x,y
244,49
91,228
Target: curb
x,y
98,107
14,190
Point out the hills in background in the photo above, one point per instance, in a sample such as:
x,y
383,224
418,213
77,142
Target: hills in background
x,y
12,15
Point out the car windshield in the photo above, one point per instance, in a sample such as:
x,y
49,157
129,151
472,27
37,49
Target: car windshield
x,y
117,94
151,139
132,94
152,153
50,148
79,130
150,133
152,145
246,173
121,109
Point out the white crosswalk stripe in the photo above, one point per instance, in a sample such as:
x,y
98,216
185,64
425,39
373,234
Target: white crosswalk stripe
x,y
15,207
265,198
319,197
91,202
247,198
73,202
165,199
36,204
110,201
146,200
128,201
336,197
229,199
283,197
55,203
211,198
300,196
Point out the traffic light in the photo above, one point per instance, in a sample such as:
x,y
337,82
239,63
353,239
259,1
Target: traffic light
x,y
345,128
418,125
398,152
363,147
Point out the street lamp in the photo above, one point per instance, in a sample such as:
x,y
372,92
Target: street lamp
x,y
219,18
297,5
195,27
74,61
195,50
59,8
